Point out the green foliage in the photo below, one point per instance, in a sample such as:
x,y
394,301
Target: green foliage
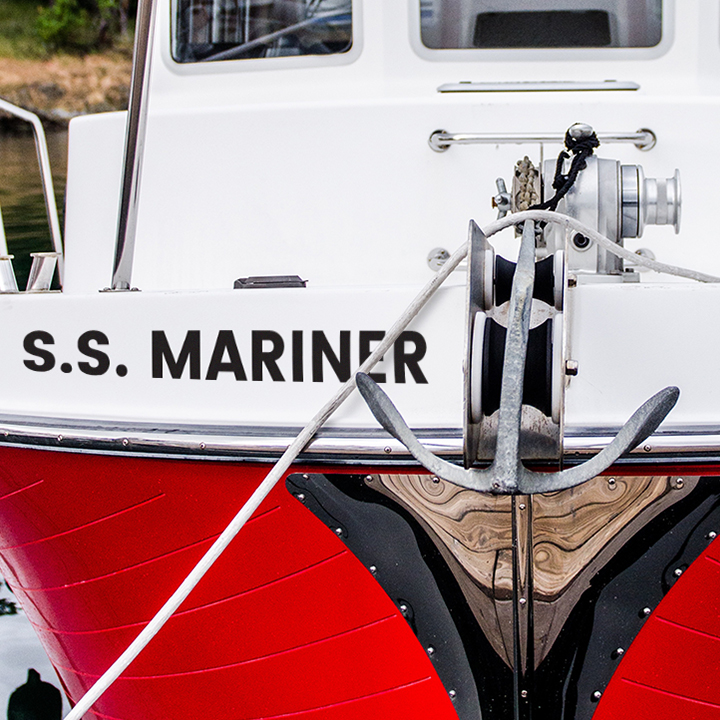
x,y
65,25
82,25
18,33
31,28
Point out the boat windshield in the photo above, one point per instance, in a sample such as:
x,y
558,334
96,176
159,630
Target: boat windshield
x,y
458,24
238,29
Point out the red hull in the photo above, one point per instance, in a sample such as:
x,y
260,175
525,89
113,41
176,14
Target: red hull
x,y
288,623
672,668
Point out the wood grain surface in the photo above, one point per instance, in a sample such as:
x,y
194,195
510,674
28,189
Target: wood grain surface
x,y
574,533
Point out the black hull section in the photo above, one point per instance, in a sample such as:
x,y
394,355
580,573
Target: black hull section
x,y
526,606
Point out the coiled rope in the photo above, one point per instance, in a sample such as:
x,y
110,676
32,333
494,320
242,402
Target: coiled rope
x,y
581,148
303,439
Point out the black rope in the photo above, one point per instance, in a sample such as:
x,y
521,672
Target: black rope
x,y
581,149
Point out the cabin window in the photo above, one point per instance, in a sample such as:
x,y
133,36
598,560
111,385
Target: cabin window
x,y
239,29
507,24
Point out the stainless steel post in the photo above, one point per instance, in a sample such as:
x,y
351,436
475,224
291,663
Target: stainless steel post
x,y
8,283
134,144
42,271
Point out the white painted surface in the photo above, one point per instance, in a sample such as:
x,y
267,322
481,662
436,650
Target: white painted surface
x,y
129,319
301,165
632,340
629,341
320,167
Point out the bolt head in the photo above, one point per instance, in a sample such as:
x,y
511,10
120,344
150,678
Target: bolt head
x,y
300,497
452,694
523,693
437,257
388,449
571,367
372,569
596,695
338,532
645,612
522,506
678,572
431,651
523,601
712,535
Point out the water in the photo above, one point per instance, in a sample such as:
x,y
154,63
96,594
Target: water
x,y
20,650
21,198
27,230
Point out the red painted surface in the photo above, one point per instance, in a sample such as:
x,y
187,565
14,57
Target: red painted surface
x,y
288,623
672,668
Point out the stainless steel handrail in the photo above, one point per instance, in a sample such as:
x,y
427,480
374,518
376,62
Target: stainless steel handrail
x,y
441,140
45,175
134,145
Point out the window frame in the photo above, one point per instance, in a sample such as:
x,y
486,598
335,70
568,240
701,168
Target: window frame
x,y
542,54
263,63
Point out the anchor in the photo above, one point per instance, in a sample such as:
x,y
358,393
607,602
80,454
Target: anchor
x,y
507,474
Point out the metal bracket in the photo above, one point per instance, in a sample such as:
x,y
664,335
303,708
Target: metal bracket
x,y
507,474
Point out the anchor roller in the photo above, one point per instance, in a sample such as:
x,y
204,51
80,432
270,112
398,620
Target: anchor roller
x,y
507,473
515,365
490,280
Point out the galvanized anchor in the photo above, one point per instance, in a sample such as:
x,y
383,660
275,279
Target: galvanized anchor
x,y
507,474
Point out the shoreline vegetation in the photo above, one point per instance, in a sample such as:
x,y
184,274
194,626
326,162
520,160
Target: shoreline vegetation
x,y
64,58
65,86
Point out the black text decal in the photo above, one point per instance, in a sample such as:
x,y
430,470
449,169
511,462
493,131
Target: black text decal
x,y
102,361
316,355
190,352
31,347
88,344
225,346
